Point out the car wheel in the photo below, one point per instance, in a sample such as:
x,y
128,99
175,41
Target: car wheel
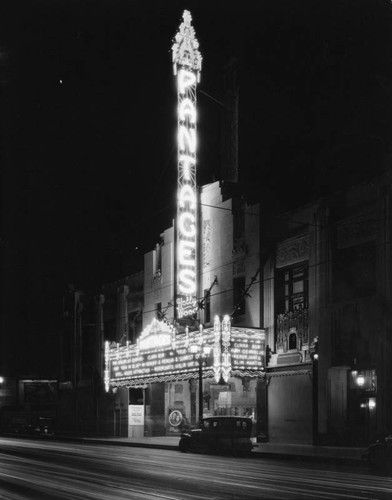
x,y
183,446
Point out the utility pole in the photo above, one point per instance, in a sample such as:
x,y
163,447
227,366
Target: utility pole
x,y
200,389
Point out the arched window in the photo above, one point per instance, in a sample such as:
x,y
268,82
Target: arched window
x,y
292,341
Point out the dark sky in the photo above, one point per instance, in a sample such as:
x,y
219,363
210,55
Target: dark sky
x,y
88,128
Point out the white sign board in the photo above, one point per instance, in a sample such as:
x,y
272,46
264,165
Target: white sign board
x,y
136,414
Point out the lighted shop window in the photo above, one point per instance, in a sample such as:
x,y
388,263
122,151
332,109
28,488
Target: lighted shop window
x,y
364,380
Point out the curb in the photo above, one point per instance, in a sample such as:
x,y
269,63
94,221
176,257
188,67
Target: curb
x,y
255,454
130,444
313,458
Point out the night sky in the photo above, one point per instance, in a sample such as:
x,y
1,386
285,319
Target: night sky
x,y
89,123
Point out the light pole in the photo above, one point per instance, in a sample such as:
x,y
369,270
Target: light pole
x,y
315,357
201,353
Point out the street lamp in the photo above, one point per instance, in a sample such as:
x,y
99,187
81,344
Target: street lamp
x,y
315,359
201,354
1,380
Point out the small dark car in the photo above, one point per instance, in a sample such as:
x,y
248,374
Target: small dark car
x,y
219,434
379,454
42,427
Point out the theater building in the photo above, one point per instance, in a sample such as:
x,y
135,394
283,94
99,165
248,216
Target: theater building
x,y
283,317
201,351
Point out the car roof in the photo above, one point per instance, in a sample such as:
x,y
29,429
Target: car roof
x,y
227,417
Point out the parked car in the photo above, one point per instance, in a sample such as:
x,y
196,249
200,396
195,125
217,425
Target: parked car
x,y
379,453
42,427
219,434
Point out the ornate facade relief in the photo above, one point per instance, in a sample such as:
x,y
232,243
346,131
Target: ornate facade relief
x,y
206,243
357,229
292,331
292,251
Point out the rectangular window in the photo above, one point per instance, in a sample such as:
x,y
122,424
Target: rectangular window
x,y
292,288
159,310
207,306
134,326
158,258
238,295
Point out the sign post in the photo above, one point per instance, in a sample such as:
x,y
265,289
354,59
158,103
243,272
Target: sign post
x,y
136,421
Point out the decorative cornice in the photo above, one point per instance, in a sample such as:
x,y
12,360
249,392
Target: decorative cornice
x,y
185,47
288,373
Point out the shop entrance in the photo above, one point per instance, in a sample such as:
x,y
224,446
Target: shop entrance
x,y
155,409
290,408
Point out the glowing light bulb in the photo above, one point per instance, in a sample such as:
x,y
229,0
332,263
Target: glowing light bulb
x,y
360,380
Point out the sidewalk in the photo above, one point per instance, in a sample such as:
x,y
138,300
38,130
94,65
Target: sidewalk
x,y
262,449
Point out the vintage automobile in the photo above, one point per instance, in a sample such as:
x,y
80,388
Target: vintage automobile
x,y
41,427
379,454
219,434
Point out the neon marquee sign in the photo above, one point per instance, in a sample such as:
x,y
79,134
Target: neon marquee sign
x,y
186,66
161,354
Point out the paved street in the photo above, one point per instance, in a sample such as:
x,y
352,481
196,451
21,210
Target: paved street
x,y
46,470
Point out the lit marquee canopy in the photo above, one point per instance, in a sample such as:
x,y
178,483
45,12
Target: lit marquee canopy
x,y
186,66
160,355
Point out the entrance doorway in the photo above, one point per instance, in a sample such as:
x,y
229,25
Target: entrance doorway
x,y
117,422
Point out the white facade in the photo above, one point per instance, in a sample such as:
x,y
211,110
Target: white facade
x,y
222,258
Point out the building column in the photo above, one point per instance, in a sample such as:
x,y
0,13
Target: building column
x,y
320,324
383,347
269,306
122,314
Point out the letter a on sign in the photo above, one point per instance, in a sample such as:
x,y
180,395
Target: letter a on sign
x,y
185,79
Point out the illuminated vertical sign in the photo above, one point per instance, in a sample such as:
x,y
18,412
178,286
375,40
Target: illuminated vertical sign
x,y
187,66
106,376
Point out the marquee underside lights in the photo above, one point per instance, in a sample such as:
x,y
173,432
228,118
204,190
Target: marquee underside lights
x,y
187,66
161,355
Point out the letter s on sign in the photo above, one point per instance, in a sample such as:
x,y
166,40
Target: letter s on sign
x,y
187,281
